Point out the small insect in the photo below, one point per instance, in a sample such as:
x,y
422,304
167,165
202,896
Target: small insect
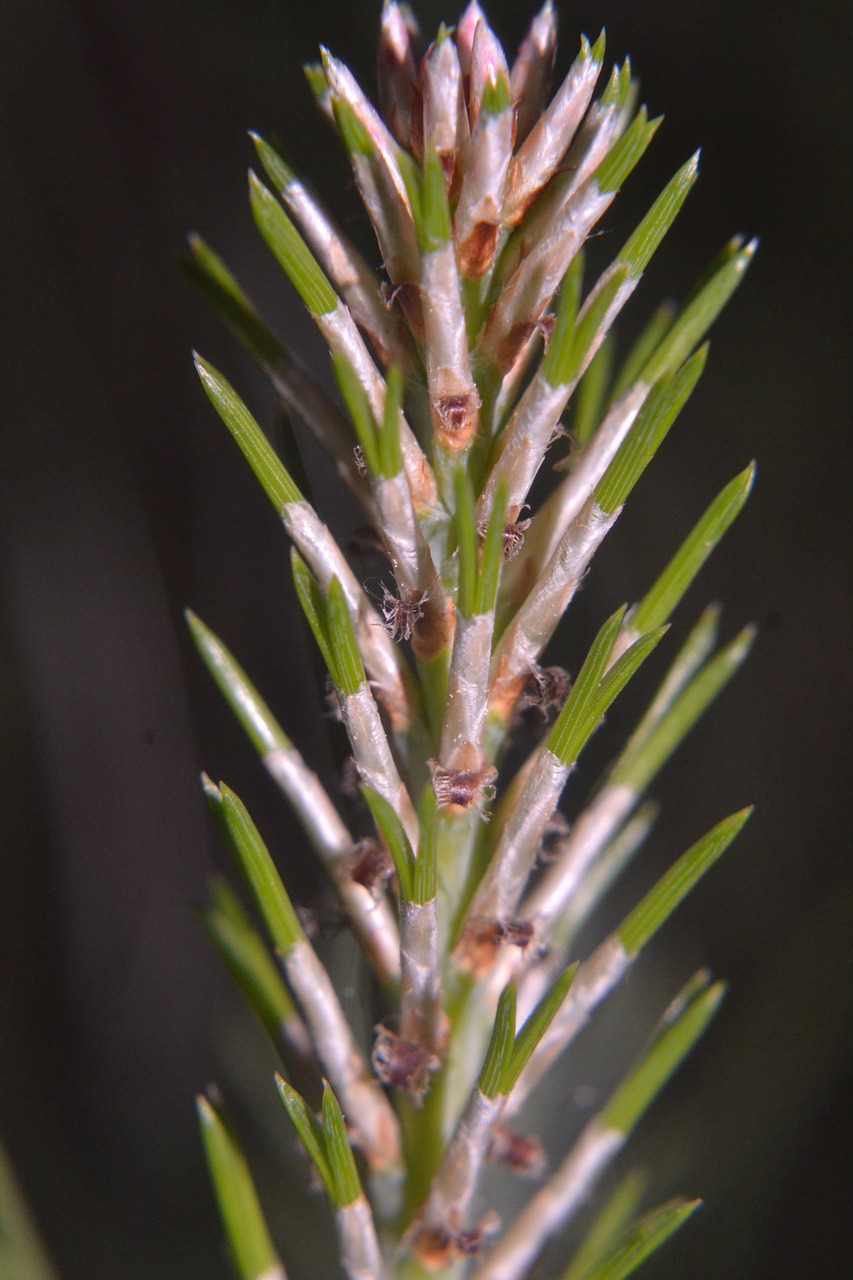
x,y
360,464
547,688
403,613
403,1064
371,867
513,539
467,788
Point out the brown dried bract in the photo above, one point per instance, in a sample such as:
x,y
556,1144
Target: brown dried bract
x,y
403,1064
438,1247
455,418
483,936
464,788
371,866
477,253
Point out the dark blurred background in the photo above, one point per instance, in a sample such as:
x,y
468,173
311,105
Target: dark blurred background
x,y
122,127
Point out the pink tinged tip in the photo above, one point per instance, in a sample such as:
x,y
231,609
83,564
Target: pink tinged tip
x,y
445,118
465,30
531,71
397,75
489,69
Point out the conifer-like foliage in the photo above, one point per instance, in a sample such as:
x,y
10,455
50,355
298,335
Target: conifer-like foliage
x,y
478,358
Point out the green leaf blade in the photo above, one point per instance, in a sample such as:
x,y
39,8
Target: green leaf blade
x,y
699,313
640,926
647,752
639,249
660,409
627,152
256,449
499,1052
643,1239
567,736
338,1151
349,669
309,1130
253,714
535,1027
258,869
660,600
247,960
242,1217
290,250
390,829
642,1085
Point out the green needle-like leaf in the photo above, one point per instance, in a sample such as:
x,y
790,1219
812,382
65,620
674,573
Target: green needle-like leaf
x,y
426,863
619,675
256,449
642,1085
247,959
491,555
662,406
309,1130
656,739
661,599
607,1227
625,154
391,830
258,869
390,453
643,1239
207,270
638,250
646,343
591,395
354,136
567,362
562,336
568,734
264,731
659,903
292,253
358,406
314,607
435,214
466,533
245,1229
277,170
696,317
499,1052
535,1027
22,1254
338,1150
348,673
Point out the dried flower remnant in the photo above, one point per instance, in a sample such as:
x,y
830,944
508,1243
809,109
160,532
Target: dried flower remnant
x,y
463,788
457,365
403,1064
